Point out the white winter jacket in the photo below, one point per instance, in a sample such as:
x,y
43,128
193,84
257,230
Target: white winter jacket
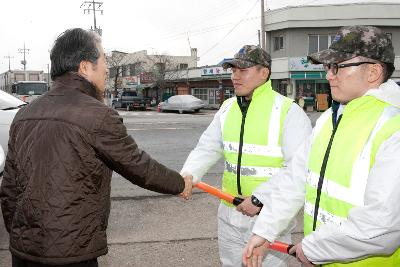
x,y
372,229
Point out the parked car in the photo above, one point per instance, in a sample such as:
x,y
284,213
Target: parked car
x,y
9,106
131,100
182,103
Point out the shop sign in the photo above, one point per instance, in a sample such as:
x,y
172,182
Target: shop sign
x,y
215,71
302,64
146,77
129,81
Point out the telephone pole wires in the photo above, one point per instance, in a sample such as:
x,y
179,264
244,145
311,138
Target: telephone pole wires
x,y
9,61
94,7
23,51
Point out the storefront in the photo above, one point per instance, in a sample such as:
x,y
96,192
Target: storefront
x,y
212,84
308,82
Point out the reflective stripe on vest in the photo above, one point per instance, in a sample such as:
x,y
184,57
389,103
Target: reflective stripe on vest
x,y
261,151
339,196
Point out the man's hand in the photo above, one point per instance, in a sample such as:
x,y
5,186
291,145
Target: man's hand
x,y
255,251
300,255
187,191
247,208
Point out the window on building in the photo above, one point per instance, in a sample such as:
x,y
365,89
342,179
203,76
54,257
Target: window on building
x,y
124,70
278,43
113,72
19,77
132,69
228,93
319,42
183,66
201,93
160,67
33,77
135,68
323,42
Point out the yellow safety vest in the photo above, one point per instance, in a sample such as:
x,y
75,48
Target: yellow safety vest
x,y
366,123
261,150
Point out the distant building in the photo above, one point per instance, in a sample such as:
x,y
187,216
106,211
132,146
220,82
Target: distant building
x,y
47,78
212,84
9,77
148,71
294,32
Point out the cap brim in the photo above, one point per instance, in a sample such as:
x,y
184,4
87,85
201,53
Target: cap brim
x,y
241,64
329,56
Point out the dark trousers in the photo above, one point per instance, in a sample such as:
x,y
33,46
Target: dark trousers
x,y
17,262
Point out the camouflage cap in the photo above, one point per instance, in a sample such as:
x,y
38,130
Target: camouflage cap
x,y
247,57
353,41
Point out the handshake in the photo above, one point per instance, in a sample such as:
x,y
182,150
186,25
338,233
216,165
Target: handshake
x,y
187,191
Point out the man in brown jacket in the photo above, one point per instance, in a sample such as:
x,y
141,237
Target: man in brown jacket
x,y
63,147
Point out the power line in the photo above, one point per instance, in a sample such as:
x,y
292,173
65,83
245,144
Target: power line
x,y
230,31
9,61
215,12
23,51
92,6
240,43
205,30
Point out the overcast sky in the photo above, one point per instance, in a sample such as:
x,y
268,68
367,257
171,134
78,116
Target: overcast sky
x,y
217,28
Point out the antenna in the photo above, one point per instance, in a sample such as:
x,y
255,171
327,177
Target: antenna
x,y
188,39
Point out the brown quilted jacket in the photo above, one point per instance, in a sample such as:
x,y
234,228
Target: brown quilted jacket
x,y
55,194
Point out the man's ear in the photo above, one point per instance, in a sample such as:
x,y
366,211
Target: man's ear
x,y
265,73
375,73
83,68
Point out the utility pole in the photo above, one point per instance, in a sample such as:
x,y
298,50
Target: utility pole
x,y
262,25
92,6
9,61
23,51
48,76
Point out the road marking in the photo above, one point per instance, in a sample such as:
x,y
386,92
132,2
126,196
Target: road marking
x,y
152,129
159,122
130,113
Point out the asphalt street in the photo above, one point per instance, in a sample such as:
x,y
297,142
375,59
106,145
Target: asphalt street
x,y
150,229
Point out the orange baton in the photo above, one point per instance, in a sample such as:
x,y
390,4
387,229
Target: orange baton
x,y
282,247
218,193
277,246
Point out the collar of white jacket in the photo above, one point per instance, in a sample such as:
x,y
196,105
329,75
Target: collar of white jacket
x,y
388,92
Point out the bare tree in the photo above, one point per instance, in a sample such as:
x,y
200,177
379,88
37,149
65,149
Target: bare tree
x,y
115,63
164,71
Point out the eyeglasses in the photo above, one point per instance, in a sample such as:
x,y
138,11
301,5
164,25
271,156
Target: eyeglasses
x,y
334,67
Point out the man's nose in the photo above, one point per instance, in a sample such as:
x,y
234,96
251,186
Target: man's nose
x,y
329,75
234,76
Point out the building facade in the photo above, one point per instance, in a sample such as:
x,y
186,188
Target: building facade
x,y
294,32
9,77
140,70
212,84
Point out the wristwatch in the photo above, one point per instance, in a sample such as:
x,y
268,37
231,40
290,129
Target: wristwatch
x,y
256,202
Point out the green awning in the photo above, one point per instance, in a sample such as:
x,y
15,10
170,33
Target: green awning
x,y
308,75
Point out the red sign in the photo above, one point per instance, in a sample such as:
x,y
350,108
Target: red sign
x,y
146,77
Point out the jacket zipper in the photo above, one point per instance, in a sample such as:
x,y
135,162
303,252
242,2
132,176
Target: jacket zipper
x,y
243,105
323,169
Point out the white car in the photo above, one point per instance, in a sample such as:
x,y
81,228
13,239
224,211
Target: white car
x,y
182,103
9,106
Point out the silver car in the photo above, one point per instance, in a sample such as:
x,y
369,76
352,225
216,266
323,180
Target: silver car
x,y
9,106
182,103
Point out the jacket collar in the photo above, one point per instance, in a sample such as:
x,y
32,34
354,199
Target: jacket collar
x,y
264,88
75,81
388,92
